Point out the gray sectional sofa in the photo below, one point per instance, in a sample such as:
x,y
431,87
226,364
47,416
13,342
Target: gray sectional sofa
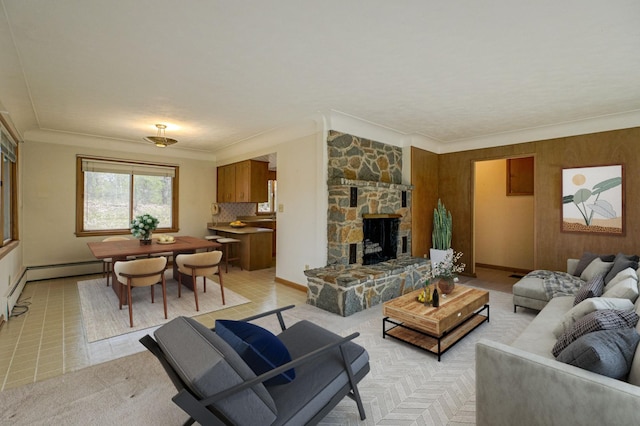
x,y
523,383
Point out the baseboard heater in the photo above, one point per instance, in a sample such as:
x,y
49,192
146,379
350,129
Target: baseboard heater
x,y
10,300
14,294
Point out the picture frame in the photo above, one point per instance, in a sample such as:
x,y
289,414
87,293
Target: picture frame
x,y
593,200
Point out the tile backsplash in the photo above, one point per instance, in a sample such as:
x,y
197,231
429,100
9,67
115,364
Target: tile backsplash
x,y
229,211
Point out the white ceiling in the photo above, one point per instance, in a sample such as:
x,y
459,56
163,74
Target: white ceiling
x,y
218,72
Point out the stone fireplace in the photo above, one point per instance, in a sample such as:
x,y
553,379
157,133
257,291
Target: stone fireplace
x,y
368,228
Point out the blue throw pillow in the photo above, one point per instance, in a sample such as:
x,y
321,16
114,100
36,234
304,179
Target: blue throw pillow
x,y
259,348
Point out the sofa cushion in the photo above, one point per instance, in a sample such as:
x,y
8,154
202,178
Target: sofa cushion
x,y
620,263
606,352
604,319
587,258
259,348
596,267
625,289
588,306
592,288
208,365
624,274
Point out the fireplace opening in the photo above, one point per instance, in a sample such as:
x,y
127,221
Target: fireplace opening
x,y
380,239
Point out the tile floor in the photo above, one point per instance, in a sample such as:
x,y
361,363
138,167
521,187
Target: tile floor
x,y
49,340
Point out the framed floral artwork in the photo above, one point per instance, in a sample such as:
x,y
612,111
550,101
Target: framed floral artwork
x,y
593,199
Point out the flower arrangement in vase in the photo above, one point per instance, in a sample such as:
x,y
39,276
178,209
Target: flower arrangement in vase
x,y
142,227
444,274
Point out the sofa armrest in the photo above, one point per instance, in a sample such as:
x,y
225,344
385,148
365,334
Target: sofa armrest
x,y
514,385
571,265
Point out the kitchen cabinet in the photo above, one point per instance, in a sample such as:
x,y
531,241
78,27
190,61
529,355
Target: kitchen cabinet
x,y
243,182
227,184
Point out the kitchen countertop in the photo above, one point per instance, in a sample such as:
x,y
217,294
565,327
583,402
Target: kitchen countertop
x,y
245,230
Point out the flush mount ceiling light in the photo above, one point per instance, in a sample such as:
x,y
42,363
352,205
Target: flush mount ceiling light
x,y
160,140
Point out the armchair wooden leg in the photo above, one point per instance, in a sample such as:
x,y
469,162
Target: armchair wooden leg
x,y
179,284
153,294
164,296
194,279
219,273
130,302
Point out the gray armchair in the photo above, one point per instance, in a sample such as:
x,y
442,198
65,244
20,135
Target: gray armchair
x,y
216,387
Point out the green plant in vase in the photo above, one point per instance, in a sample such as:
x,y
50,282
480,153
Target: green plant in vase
x,y
441,234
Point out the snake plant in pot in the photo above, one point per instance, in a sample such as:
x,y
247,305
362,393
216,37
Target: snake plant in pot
x,y
441,235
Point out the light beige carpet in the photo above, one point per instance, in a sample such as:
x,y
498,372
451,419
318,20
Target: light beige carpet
x,y
102,317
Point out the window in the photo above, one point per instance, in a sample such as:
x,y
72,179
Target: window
x,y
110,193
9,188
270,206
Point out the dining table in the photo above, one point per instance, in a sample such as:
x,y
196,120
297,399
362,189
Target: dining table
x,y
126,249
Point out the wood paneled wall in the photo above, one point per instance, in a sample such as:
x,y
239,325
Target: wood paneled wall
x,y
552,247
424,197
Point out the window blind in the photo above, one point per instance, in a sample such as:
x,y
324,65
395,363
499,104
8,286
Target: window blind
x,y
8,147
92,165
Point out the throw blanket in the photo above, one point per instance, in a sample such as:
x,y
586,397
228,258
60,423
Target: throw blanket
x,y
557,283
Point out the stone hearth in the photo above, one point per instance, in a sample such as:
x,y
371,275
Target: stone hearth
x,y
347,289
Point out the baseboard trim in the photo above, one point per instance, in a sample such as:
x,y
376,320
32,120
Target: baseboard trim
x,y
502,268
291,284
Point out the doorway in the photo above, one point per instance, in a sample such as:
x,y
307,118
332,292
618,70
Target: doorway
x,y
503,219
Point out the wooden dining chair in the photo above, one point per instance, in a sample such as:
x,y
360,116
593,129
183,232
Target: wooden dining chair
x,y
199,265
108,262
142,273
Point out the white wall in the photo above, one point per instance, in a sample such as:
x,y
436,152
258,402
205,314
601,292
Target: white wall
x,y
49,186
504,234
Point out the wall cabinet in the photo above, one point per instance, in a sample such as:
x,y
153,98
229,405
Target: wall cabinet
x,y
243,182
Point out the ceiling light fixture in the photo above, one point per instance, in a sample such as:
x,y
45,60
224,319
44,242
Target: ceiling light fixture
x,y
160,140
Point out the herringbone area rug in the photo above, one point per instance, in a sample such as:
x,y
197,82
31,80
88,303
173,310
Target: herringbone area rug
x,y
406,386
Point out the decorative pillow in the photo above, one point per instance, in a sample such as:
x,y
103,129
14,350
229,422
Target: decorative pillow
x,y
620,263
606,352
259,348
604,319
592,288
596,267
625,289
587,258
626,273
587,306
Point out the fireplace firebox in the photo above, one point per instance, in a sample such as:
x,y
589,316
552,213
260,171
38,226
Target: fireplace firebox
x,y
380,241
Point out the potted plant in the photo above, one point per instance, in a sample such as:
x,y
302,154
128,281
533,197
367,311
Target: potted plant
x,y
441,235
142,227
444,274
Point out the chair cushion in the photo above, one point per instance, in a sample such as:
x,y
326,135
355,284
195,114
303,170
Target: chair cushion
x,y
606,352
208,365
258,347
316,382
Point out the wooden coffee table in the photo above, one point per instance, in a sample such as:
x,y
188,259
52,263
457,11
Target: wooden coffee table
x,y
435,329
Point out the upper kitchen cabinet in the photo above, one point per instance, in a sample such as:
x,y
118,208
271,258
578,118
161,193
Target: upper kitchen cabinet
x,y
243,182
